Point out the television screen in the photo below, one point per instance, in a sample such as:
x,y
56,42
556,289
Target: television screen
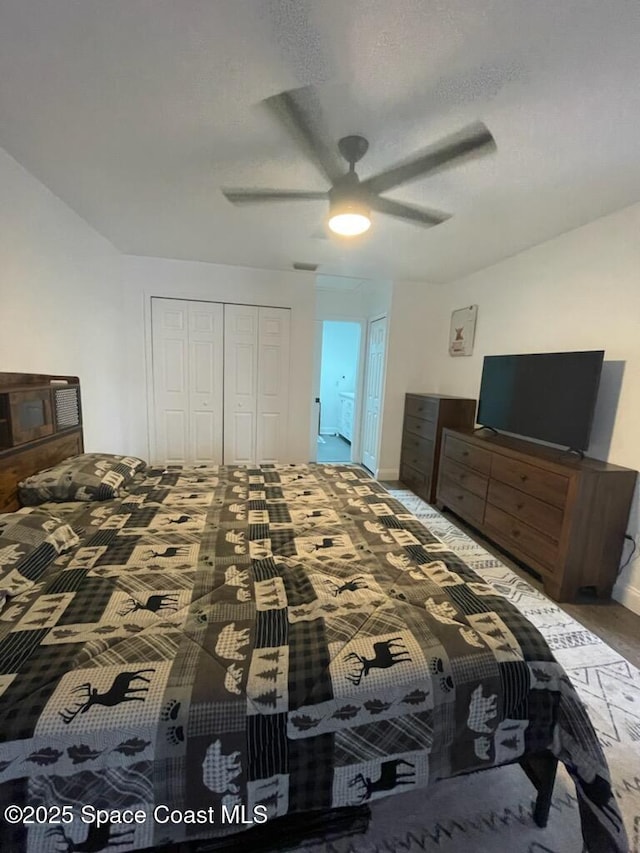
x,y
548,396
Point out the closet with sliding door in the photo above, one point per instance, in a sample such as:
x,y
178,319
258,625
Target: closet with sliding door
x,y
220,382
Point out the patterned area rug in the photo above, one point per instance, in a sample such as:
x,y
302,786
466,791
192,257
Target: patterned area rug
x,y
492,811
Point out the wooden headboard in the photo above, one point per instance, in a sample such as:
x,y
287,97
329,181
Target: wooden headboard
x,y
25,451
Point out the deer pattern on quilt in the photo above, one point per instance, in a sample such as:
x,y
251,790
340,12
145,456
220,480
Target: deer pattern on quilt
x,y
284,635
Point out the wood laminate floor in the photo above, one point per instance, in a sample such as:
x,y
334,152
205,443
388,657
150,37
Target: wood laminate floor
x,y
609,620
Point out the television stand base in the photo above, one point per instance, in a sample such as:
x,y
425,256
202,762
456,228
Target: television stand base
x,y
571,451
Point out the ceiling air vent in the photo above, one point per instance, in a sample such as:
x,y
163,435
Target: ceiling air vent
x,y
306,267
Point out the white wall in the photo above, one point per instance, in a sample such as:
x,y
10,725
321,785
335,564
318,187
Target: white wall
x,y
340,304
578,291
147,277
371,299
60,300
340,354
410,327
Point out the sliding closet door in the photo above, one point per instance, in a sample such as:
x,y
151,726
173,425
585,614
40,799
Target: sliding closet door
x,y
240,383
273,384
187,353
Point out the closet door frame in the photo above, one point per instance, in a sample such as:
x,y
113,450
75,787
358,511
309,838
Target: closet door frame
x,y
148,354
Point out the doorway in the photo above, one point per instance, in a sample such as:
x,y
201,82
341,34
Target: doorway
x,y
338,400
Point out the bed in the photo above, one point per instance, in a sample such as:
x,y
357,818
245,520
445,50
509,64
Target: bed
x,y
234,645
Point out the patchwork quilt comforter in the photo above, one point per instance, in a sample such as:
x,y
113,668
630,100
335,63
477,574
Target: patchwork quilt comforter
x,y
231,644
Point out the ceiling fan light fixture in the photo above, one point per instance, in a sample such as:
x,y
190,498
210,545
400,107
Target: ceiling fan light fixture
x,y
349,218
349,224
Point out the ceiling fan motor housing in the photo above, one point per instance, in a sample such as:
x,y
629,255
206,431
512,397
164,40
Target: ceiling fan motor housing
x,y
347,187
353,148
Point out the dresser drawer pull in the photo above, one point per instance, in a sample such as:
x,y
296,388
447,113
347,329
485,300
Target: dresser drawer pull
x,y
465,452
523,477
463,477
515,533
460,497
519,506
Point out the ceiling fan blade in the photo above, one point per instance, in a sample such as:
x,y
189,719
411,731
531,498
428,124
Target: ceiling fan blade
x,y
299,112
418,215
240,196
471,141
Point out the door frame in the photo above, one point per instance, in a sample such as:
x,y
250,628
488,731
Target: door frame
x,y
383,384
356,442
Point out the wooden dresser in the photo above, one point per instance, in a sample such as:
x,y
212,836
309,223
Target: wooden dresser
x,y
562,516
425,416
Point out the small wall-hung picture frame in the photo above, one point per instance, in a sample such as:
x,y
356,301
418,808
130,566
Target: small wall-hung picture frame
x,y
463,330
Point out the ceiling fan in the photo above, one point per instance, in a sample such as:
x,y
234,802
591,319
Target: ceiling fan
x,y
350,199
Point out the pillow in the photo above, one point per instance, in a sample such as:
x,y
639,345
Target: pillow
x,y
88,477
29,542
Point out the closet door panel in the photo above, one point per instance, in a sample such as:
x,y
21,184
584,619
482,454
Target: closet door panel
x,y
206,363
241,383
187,353
170,324
243,426
273,384
174,367
174,429
269,443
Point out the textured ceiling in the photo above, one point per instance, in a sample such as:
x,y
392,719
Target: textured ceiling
x,y
136,112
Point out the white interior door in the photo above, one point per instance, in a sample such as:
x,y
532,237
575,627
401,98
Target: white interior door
x,y
187,353
205,382
273,384
240,383
374,379
170,344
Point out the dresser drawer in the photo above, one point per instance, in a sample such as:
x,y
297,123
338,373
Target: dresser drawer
x,y
417,426
546,485
543,516
418,481
417,452
421,407
465,477
461,500
467,454
521,536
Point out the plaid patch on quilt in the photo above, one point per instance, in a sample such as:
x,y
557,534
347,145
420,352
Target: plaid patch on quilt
x,y
29,541
282,637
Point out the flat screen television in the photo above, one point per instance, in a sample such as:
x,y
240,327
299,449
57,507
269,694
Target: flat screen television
x,y
548,396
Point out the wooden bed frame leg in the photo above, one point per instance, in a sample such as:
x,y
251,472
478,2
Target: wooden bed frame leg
x,y
541,770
